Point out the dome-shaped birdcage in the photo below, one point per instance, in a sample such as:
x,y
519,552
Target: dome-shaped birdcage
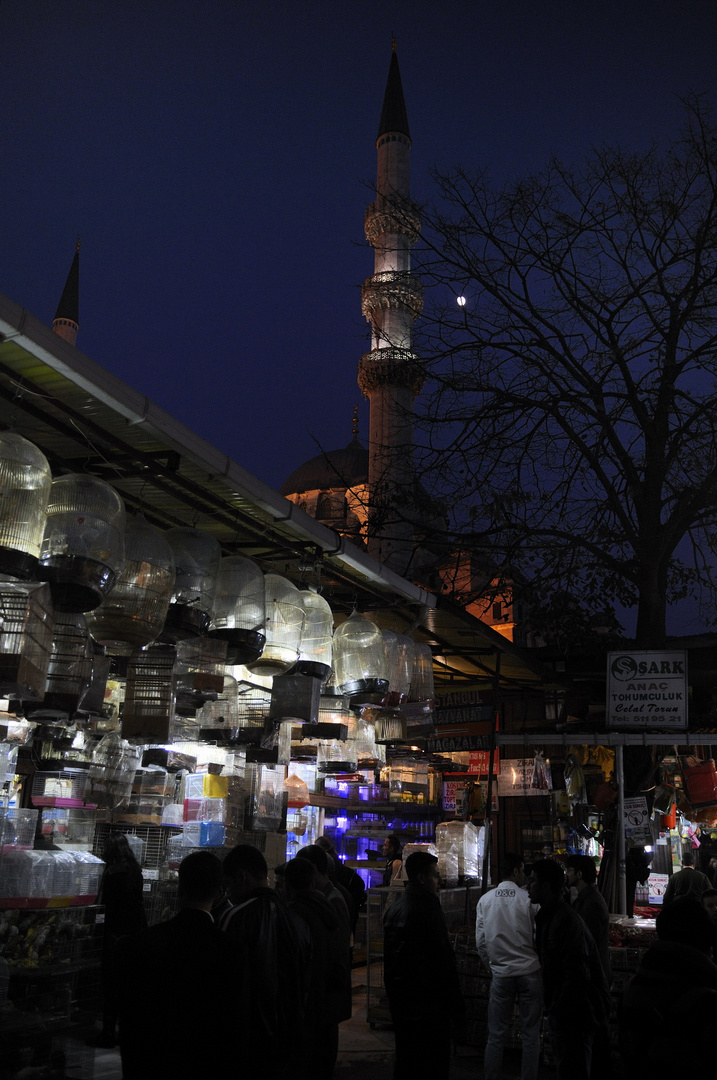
x,y
134,613
284,622
359,659
316,636
400,654
196,564
82,550
239,611
25,481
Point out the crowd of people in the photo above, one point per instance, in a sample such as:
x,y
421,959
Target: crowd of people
x,y
260,978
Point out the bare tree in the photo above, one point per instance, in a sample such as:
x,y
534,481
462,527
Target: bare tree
x,y
570,414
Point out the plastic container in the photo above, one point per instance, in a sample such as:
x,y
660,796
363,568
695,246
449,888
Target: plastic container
x,y
204,834
205,785
204,810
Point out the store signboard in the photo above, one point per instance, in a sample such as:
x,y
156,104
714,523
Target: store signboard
x,y
451,787
656,885
647,690
516,778
637,820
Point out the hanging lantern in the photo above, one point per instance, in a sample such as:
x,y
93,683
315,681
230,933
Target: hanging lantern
x,y
360,660
25,480
284,622
400,655
133,614
316,636
196,562
83,546
239,613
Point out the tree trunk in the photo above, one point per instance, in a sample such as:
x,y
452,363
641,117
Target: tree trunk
x,y
652,606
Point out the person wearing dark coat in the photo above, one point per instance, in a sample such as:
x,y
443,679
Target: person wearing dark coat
x,y
673,991
347,878
637,871
269,981
176,982
575,992
420,975
686,882
122,895
328,972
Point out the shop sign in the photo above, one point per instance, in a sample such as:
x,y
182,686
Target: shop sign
x,y
647,689
516,778
656,885
451,787
637,820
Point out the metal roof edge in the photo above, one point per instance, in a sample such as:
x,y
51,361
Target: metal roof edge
x,y
19,325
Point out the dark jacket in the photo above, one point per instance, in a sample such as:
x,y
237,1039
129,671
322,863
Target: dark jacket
x,y
176,996
122,893
592,909
328,971
269,977
686,882
671,998
354,886
574,985
419,965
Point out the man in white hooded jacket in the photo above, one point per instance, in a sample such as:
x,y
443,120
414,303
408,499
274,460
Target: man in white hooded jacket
x,y
505,939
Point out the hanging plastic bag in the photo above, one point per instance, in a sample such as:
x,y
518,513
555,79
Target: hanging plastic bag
x,y
541,776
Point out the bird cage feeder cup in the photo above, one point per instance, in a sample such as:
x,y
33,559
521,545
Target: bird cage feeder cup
x,y
360,660
239,612
284,623
316,637
27,627
400,656
135,611
196,564
25,481
83,547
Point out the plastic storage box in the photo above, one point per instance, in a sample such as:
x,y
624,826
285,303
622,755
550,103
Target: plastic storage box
x,y
203,834
205,810
205,785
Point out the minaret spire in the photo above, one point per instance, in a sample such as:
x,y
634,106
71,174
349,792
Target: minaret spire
x,y
66,322
391,375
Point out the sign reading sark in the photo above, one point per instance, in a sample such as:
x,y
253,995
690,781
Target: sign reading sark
x,y
647,690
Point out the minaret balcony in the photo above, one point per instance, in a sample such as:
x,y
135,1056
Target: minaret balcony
x,y
391,215
391,289
390,367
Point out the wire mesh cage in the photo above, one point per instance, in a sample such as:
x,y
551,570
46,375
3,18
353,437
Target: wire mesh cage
x,y
28,622
150,694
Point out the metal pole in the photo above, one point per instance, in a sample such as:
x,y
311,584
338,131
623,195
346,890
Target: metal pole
x,y
620,832
487,845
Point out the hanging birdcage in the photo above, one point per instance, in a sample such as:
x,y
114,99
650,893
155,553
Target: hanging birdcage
x,y
27,625
25,480
196,564
150,693
239,612
284,622
69,672
359,658
135,611
316,637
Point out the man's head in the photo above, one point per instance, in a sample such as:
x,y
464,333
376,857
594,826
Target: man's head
x,y
200,880
244,869
512,868
580,871
325,844
392,847
320,861
422,869
709,903
688,859
686,922
299,877
546,881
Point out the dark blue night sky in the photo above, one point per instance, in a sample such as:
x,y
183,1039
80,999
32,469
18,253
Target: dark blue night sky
x,y
216,157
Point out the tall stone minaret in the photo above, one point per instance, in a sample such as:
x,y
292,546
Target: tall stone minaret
x,y
390,375
66,321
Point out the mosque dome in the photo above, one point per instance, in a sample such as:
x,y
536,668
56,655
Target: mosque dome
x,y
334,469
